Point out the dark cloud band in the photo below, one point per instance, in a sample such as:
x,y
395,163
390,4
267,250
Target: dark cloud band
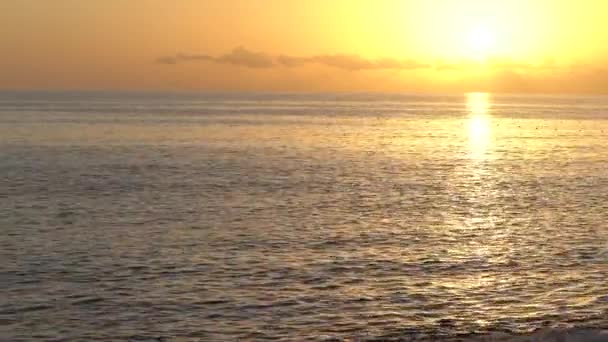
x,y
238,56
243,57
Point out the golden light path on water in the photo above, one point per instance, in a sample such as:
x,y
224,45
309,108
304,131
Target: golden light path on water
x,y
480,131
480,239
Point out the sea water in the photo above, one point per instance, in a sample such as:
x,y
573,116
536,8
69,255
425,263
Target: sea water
x,y
223,216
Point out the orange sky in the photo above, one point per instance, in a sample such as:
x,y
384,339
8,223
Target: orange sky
x,y
311,45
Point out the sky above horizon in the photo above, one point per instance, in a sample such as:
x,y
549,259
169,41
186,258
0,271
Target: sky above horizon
x,y
314,45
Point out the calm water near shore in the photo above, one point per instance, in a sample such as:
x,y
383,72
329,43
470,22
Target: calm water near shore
x,y
288,216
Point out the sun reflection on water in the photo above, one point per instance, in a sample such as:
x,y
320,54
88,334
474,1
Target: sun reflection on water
x,y
480,130
479,242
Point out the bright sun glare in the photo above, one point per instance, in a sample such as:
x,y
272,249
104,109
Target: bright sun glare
x,y
481,41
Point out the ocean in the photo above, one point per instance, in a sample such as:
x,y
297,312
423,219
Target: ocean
x,y
251,216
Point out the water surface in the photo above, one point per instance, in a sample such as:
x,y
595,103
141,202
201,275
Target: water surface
x,y
288,216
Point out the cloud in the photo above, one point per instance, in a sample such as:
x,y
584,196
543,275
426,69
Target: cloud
x,y
289,61
348,62
355,63
180,57
497,64
583,79
170,60
510,64
442,65
239,56
246,58
497,73
390,63
185,57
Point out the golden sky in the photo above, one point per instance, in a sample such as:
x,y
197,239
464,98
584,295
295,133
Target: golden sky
x,y
306,45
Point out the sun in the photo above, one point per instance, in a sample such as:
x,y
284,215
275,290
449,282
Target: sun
x,y
480,42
